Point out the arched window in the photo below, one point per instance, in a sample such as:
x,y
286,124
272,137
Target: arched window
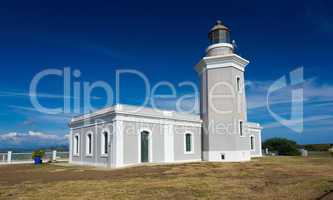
x,y
76,145
252,142
188,143
104,143
89,144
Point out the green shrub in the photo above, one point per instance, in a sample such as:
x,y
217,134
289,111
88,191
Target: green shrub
x,y
317,147
38,153
282,146
331,151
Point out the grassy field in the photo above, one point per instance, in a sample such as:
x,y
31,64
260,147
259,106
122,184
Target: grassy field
x,y
265,178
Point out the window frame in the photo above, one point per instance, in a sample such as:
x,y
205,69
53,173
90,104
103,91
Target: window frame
x,y
103,153
241,128
192,142
89,144
238,84
76,145
252,143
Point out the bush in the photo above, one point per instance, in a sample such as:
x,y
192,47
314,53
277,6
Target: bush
x,y
317,147
282,146
38,153
331,151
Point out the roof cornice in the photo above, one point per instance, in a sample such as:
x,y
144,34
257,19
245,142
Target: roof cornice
x,y
120,109
222,61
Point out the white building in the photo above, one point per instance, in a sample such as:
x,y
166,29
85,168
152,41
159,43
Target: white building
x,y
125,135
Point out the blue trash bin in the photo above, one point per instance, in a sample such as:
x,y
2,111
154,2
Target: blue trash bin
x,y
38,160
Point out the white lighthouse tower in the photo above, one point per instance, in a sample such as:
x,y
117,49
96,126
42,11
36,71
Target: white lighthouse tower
x,y
223,103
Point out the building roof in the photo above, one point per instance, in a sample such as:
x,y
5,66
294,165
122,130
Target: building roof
x,y
139,111
219,26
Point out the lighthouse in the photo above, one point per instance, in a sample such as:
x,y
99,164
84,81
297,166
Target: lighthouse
x,y
222,99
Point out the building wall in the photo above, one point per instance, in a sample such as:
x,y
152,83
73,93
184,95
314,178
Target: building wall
x,y
179,143
96,158
224,127
257,152
166,136
223,106
108,118
204,110
132,139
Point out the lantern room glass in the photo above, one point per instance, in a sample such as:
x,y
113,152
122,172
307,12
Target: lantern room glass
x,y
219,36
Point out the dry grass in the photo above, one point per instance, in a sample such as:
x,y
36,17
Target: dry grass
x,y
266,178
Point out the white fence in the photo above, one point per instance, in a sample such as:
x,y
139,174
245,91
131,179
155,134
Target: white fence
x,y
21,158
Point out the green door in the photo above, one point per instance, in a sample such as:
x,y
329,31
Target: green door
x,y
144,147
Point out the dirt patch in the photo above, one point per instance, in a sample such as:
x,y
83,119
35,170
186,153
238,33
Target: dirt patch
x,y
17,174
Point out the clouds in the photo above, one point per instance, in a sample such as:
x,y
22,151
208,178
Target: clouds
x,y
9,136
298,121
24,134
44,136
314,93
31,139
15,136
34,116
315,122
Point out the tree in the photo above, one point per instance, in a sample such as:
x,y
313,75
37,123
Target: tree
x,y
282,146
317,147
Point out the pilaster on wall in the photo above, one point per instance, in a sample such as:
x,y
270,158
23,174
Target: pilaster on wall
x,y
111,149
70,138
118,134
168,143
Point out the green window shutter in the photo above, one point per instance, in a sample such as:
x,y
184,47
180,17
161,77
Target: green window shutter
x,y
188,143
89,144
241,128
144,147
105,142
252,143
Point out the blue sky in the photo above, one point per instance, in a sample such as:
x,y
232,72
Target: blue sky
x,y
163,40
